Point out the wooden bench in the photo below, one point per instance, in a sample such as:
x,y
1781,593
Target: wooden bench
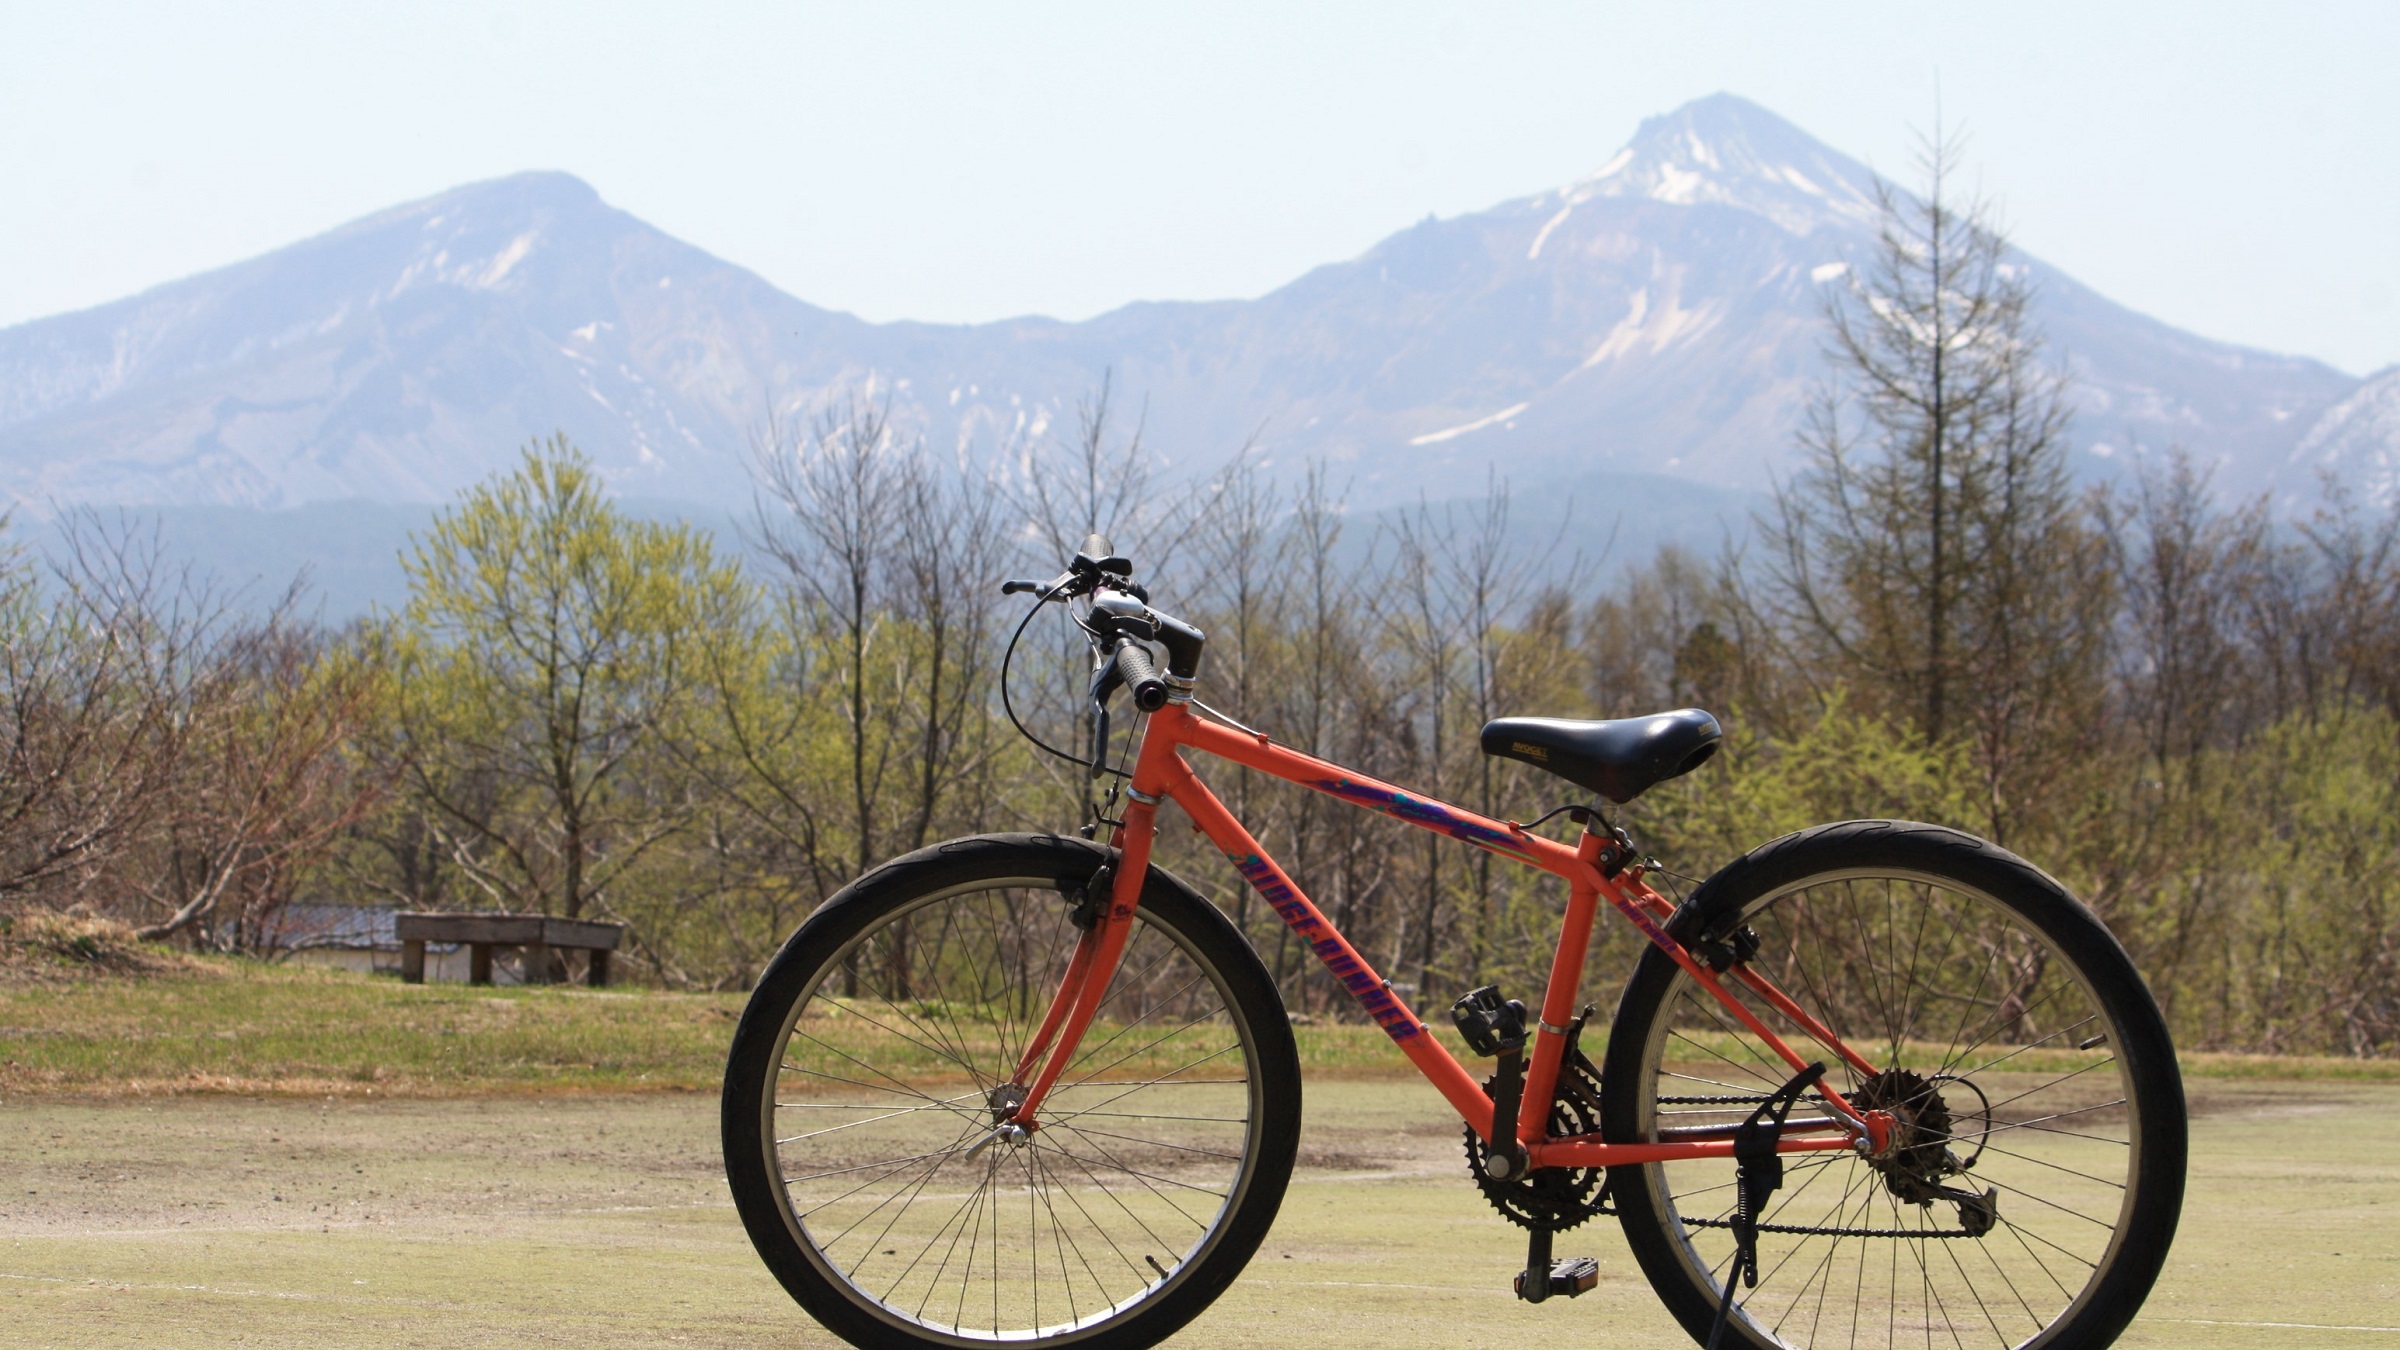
x,y
533,935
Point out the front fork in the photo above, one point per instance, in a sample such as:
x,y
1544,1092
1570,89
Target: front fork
x,y
1089,972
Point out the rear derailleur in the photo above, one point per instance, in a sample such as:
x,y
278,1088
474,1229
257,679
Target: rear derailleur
x,y
1920,1155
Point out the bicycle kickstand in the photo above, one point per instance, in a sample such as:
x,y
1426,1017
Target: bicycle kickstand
x,y
1759,1176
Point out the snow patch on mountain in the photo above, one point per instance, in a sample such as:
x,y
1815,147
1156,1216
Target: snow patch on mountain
x,y
1534,253
497,271
1453,433
1641,330
2357,441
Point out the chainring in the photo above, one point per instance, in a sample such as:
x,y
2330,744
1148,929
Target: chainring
x,y
1551,1198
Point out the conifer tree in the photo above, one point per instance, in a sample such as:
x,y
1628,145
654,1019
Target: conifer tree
x,y
1933,555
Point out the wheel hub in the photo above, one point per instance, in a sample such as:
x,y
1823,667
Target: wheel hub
x,y
1004,1101
1918,1154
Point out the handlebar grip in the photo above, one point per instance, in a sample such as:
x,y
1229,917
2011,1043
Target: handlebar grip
x,y
1140,674
1047,590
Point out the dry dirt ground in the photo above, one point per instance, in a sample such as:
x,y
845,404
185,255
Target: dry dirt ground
x,y
603,1221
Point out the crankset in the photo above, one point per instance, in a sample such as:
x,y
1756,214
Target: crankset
x,y
1550,1199
1546,1200
1553,1199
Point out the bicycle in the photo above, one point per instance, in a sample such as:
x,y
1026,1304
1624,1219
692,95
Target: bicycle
x,y
1033,1088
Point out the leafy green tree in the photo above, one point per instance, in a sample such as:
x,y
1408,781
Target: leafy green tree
x,y
546,650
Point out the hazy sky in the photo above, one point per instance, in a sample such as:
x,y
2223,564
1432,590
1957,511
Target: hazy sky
x,y
2234,169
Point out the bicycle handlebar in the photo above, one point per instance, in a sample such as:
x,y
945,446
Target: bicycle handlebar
x,y
1140,674
1117,621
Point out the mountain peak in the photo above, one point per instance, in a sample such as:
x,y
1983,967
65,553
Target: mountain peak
x,y
540,187
1729,151
538,193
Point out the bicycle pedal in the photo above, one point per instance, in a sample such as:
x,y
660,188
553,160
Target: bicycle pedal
x,y
1569,1276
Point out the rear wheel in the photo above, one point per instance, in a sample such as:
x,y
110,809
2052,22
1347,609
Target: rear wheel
x,y
2035,1184
874,1061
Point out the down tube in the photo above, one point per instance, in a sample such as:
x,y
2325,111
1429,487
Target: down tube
x,y
1342,961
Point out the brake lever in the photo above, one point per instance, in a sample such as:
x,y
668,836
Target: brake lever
x,y
1105,681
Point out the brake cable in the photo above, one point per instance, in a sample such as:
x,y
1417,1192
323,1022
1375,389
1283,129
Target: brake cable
x,y
1103,811
1009,707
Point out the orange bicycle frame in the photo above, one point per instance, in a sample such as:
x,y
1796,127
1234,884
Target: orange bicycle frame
x,y
1161,774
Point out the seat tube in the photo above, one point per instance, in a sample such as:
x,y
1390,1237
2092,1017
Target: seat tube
x,y
1558,1000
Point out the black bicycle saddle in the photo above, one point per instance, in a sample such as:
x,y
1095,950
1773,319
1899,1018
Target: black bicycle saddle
x,y
1619,759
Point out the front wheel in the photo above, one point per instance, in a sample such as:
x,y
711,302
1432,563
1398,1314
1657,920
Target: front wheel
x,y
876,1056
2037,1171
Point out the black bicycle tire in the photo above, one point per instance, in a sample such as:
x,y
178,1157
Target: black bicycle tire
x,y
2146,1230
757,1049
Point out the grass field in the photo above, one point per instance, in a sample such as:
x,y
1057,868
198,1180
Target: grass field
x,y
269,1156
246,1027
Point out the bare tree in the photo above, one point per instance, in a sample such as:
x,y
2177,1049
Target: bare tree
x,y
1242,564
2358,616
265,784
1929,367
1422,617
951,552
1100,482
831,519
94,672
1333,705
2180,566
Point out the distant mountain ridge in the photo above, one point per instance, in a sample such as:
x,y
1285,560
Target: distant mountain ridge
x,y
1659,317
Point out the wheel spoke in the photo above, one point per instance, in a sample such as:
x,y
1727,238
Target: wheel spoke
x,y
886,1084
1978,1016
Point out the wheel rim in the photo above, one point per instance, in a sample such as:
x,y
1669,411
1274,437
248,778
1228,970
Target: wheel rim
x,y
2004,1036
887,1068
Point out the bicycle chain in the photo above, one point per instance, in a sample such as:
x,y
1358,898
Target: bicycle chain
x,y
1883,1092
1561,1198
1837,1232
